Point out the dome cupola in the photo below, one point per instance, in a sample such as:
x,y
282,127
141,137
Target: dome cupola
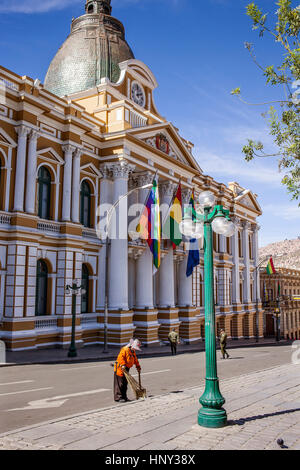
x,y
93,50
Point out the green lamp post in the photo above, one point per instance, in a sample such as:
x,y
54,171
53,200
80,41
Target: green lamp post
x,y
213,218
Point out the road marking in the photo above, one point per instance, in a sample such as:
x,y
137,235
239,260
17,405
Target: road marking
x,y
22,382
82,368
26,391
56,402
156,372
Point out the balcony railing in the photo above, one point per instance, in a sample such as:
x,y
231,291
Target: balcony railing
x,y
48,227
43,323
137,120
5,219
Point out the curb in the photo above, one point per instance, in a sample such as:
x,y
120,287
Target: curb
x,y
142,355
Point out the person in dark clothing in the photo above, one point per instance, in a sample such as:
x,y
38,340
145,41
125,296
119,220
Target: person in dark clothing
x,y
223,342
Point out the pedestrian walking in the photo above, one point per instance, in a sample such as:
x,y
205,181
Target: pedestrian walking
x,y
126,359
223,343
174,340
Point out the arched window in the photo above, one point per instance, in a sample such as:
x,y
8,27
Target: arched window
x,y
85,286
41,288
85,204
44,193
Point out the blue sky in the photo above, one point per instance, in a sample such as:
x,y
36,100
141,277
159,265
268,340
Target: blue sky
x,y
196,50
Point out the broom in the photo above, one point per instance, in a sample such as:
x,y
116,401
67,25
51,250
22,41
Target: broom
x,y
139,391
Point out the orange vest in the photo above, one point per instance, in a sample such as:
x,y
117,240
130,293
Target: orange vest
x,y
127,358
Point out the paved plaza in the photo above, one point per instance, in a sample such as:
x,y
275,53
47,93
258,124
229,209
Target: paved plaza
x,y
262,407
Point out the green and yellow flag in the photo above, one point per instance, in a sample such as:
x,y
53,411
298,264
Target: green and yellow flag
x,y
270,267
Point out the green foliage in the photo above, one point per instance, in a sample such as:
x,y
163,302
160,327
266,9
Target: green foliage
x,y
284,122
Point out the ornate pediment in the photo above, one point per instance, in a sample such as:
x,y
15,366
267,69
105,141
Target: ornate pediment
x,y
161,142
248,199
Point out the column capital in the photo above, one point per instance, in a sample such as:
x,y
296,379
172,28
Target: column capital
x,y
246,224
141,179
68,148
23,130
186,195
167,188
105,170
255,228
34,135
236,220
121,169
78,152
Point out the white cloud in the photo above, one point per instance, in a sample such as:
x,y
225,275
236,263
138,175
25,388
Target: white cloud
x,y
235,167
283,211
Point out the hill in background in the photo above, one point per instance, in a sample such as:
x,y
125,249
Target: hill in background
x,y
286,254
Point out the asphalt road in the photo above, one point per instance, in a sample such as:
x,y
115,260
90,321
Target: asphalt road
x,y
31,394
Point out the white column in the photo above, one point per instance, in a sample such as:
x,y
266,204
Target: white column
x,y
185,285
22,132
105,199
144,264
66,209
76,186
8,178
257,295
222,244
166,271
31,173
57,193
2,286
118,260
245,240
236,265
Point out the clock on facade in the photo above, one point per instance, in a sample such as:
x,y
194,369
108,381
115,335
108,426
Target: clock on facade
x,y
138,94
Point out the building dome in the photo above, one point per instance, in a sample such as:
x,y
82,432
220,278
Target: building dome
x,y
92,51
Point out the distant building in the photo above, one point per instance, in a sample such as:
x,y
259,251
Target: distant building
x,y
83,139
289,282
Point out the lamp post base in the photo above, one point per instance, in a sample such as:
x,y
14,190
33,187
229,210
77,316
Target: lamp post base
x,y
212,418
72,353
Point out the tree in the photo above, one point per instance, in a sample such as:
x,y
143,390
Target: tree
x,y
283,115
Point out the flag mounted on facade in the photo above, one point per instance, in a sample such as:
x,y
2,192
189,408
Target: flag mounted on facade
x,y
270,267
194,253
149,226
171,226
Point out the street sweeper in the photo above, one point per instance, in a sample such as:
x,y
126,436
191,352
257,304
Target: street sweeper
x,y
126,359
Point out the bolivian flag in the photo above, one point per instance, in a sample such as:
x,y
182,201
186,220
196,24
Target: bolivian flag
x,y
270,267
171,226
149,226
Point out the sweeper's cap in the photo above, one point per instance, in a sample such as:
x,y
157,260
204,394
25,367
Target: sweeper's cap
x,y
136,344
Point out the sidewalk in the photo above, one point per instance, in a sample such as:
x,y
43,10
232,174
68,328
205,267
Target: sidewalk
x,y
95,353
261,407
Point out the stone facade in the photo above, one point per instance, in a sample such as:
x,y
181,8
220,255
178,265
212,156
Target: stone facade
x,y
289,282
64,158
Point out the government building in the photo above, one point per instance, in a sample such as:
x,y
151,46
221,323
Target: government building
x,y
84,138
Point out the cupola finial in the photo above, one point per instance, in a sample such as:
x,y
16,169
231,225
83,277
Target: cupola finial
x,y
98,6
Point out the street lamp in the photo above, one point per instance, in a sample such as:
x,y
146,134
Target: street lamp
x,y
73,290
215,218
